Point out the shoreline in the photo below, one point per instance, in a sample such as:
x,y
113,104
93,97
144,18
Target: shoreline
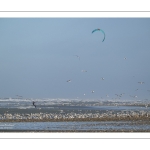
x,y
73,131
142,118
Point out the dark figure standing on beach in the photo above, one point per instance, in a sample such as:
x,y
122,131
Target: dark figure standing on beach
x,y
34,104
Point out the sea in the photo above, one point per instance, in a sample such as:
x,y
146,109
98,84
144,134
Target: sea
x,y
73,108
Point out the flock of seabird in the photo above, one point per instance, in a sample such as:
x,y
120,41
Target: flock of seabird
x,y
102,78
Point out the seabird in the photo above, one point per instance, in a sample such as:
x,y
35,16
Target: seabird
x,y
78,57
107,95
141,82
84,70
134,96
68,80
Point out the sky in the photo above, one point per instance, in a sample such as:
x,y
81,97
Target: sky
x,y
39,55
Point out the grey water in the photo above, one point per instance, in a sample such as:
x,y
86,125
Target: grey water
x,y
74,104
76,126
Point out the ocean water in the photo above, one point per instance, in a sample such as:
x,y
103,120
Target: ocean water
x,y
74,107
73,104
108,126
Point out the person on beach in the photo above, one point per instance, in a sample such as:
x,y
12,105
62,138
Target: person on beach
x,y
34,104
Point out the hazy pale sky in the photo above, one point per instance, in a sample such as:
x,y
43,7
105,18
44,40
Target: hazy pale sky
x,y
38,56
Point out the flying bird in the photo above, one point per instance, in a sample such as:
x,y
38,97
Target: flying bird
x,y
141,82
78,57
68,80
84,70
135,96
107,95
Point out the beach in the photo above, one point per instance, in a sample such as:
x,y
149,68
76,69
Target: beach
x,y
97,116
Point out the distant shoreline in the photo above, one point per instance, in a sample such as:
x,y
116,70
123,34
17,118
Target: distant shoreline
x,y
142,118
